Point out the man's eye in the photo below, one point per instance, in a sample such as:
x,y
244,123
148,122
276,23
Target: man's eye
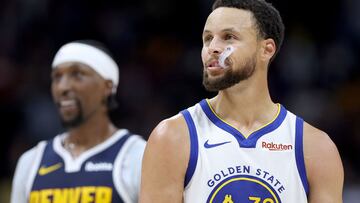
x,y
78,74
229,37
208,38
56,76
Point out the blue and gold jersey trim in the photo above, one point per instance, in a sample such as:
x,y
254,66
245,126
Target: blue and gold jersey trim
x,y
299,153
193,146
246,141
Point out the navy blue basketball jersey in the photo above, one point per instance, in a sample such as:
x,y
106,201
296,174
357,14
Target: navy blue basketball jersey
x,y
93,177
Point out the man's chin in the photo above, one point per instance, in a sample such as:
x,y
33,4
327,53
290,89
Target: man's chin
x,y
215,83
71,123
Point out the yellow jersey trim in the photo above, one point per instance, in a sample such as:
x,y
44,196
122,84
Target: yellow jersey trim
x,y
246,136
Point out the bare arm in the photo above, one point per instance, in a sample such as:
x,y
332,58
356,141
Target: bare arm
x,y
323,167
165,162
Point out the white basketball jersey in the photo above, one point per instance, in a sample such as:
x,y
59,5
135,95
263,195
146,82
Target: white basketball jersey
x,y
226,166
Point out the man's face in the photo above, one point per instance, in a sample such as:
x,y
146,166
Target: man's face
x,y
78,91
224,27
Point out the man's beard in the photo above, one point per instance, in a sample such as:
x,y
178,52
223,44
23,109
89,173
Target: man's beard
x,y
230,77
75,121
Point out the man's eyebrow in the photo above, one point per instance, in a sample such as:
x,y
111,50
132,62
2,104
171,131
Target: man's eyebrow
x,y
223,30
206,31
229,30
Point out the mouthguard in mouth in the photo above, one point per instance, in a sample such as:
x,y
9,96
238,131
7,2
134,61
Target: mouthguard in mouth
x,y
225,54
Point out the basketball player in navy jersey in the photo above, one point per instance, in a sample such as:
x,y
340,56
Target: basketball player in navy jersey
x,y
240,146
93,161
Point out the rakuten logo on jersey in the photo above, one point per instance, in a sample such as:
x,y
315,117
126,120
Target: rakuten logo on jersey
x,y
276,147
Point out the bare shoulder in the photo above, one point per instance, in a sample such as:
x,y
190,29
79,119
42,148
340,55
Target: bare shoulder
x,y
318,144
317,141
170,131
323,166
170,142
165,161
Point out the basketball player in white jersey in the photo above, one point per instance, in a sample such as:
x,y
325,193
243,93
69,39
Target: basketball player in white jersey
x,y
93,161
240,146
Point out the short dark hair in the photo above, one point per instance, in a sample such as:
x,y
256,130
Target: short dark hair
x,y
267,17
96,44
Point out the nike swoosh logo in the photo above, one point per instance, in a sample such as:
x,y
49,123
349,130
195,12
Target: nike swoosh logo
x,y
46,170
207,145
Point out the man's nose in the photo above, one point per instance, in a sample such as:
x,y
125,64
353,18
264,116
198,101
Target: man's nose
x,y
215,47
63,85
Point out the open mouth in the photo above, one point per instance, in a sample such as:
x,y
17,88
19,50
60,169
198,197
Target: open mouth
x,y
214,63
68,105
214,68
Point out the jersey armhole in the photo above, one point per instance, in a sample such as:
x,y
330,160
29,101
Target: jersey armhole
x,y
34,168
127,140
193,147
299,153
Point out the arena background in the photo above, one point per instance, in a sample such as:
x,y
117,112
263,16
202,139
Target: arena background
x,y
157,44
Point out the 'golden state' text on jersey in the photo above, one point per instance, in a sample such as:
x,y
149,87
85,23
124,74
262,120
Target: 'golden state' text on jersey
x,y
225,166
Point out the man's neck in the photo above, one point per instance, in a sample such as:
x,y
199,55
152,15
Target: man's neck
x,y
89,134
247,106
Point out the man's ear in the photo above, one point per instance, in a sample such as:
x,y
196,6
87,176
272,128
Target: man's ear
x,y
269,49
108,88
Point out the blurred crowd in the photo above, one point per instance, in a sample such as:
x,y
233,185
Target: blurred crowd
x,y
157,45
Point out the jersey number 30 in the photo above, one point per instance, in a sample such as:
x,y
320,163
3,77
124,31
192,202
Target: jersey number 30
x,y
228,199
